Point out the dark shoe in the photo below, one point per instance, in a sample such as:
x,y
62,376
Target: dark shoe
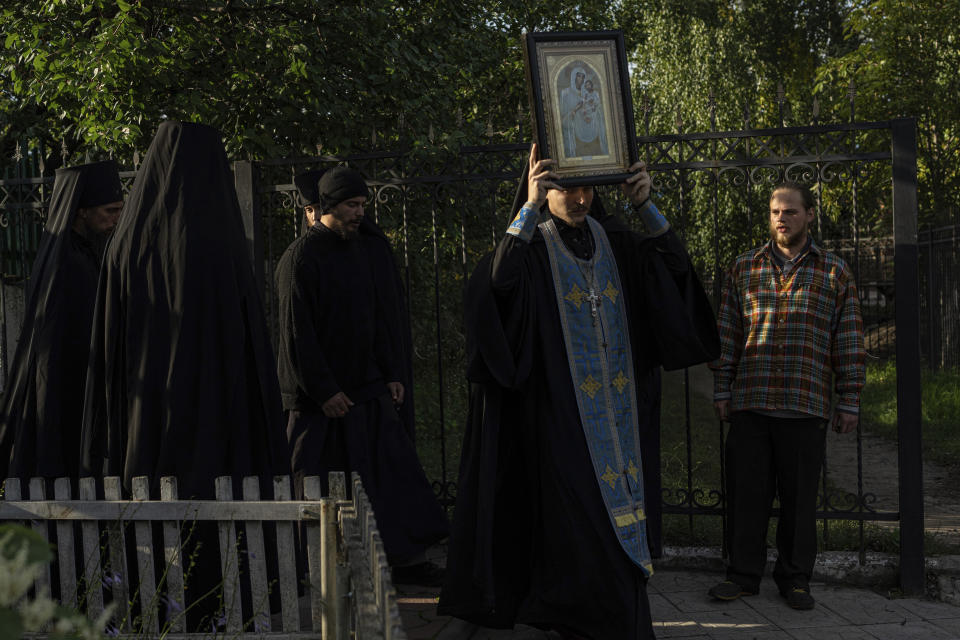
x,y
424,574
729,590
799,598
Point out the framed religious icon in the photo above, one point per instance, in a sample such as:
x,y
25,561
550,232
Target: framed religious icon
x,y
580,105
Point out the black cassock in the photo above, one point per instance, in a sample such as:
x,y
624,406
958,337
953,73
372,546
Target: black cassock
x,y
532,541
182,379
391,296
335,337
42,407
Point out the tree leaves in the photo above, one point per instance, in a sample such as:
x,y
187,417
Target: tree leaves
x,y
279,77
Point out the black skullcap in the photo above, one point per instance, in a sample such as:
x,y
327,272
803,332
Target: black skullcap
x,y
101,184
306,184
339,184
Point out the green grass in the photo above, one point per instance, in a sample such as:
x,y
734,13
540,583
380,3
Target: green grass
x,y
940,413
879,415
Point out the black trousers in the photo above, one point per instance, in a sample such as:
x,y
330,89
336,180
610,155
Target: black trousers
x,y
769,456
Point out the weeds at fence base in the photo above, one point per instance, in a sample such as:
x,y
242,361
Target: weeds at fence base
x,y
841,535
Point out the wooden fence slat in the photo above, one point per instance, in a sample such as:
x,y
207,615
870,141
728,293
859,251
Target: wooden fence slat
x,y
376,570
118,577
286,557
151,511
66,555
148,582
389,598
328,567
90,533
11,489
312,491
228,559
344,553
173,557
338,485
257,560
346,522
38,492
364,604
338,491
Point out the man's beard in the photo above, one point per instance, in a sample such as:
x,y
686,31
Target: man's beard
x,y
347,232
791,239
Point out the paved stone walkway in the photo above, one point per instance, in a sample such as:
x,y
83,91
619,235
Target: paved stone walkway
x,y
682,609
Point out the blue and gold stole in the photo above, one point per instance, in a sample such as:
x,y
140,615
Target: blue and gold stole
x,y
597,340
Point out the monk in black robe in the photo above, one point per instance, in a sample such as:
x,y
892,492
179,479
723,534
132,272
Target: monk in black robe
x,y
567,325
182,380
390,288
340,374
42,408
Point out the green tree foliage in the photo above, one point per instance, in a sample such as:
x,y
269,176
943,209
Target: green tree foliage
x,y
905,64
726,65
742,53
277,77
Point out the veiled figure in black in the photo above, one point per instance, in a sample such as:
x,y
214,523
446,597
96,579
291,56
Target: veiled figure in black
x,y
568,323
182,380
342,367
42,407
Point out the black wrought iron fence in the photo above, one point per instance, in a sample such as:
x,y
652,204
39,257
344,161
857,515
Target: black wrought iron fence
x,y
940,296
443,210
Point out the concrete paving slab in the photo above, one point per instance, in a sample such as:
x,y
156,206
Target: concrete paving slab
x,y
776,634
928,609
678,629
744,622
427,631
456,629
661,608
909,631
521,632
666,581
859,606
681,608
700,601
787,618
950,625
845,632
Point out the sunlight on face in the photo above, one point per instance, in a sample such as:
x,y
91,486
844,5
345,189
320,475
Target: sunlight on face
x,y
570,205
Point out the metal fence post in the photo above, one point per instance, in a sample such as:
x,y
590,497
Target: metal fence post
x,y
907,303
243,178
4,364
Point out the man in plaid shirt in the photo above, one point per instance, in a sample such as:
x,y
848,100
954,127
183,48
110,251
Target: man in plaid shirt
x,y
789,326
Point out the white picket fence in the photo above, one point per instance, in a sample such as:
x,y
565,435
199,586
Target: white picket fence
x,y
348,582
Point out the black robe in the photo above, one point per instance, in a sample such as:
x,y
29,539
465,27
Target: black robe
x,y
532,541
392,299
394,302
42,407
181,379
334,338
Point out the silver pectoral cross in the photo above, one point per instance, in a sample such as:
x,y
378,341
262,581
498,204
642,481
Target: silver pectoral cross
x,y
594,305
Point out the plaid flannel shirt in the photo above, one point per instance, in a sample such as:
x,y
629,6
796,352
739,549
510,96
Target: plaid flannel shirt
x,y
782,337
